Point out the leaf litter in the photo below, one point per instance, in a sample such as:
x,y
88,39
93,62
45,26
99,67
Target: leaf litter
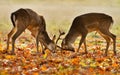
x,y
27,62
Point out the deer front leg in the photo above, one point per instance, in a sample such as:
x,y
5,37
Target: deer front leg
x,y
37,43
85,46
81,41
42,48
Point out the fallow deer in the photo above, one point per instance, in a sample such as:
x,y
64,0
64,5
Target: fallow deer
x,y
28,19
86,23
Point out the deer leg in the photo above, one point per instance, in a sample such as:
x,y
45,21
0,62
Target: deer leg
x,y
114,42
37,43
107,38
85,46
42,48
107,46
81,41
18,32
108,43
9,36
107,33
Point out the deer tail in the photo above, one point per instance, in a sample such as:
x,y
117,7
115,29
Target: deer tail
x,y
111,19
13,18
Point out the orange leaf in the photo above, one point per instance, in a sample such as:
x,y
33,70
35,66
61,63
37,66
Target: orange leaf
x,y
47,51
75,61
115,64
101,72
27,53
91,69
100,59
43,68
36,73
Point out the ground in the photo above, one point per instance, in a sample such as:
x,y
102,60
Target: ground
x,y
27,62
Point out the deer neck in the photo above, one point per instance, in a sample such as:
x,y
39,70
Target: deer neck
x,y
70,38
45,38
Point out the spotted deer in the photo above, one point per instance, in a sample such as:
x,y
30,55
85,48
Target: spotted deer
x,y
86,23
28,19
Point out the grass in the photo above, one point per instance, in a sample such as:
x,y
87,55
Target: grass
x,y
115,29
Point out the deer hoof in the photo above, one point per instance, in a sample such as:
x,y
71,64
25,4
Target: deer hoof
x,y
11,53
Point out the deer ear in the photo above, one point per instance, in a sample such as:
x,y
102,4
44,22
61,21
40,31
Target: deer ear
x,y
54,37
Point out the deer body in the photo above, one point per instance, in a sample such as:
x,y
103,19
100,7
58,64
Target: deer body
x,y
28,19
86,23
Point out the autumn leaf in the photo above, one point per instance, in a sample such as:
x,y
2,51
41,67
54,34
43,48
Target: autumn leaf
x,y
83,64
47,52
26,61
1,47
35,73
10,57
43,68
93,65
75,61
115,65
27,53
61,67
91,69
45,55
4,72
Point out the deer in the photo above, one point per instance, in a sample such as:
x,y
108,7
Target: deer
x,y
86,23
23,19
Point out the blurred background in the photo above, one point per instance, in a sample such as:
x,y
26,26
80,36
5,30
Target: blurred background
x,y
59,14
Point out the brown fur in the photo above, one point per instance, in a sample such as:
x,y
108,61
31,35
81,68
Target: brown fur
x,y
28,19
86,23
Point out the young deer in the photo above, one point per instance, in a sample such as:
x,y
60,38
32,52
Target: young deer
x,y
86,23
28,19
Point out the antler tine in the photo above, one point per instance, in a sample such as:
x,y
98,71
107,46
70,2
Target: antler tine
x,y
59,31
60,34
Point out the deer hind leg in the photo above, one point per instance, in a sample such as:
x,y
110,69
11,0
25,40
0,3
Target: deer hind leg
x,y
82,40
114,42
9,36
107,38
107,33
17,33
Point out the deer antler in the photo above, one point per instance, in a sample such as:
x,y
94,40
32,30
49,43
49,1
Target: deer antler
x,y
60,34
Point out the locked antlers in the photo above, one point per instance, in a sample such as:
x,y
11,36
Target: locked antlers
x,y
59,37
